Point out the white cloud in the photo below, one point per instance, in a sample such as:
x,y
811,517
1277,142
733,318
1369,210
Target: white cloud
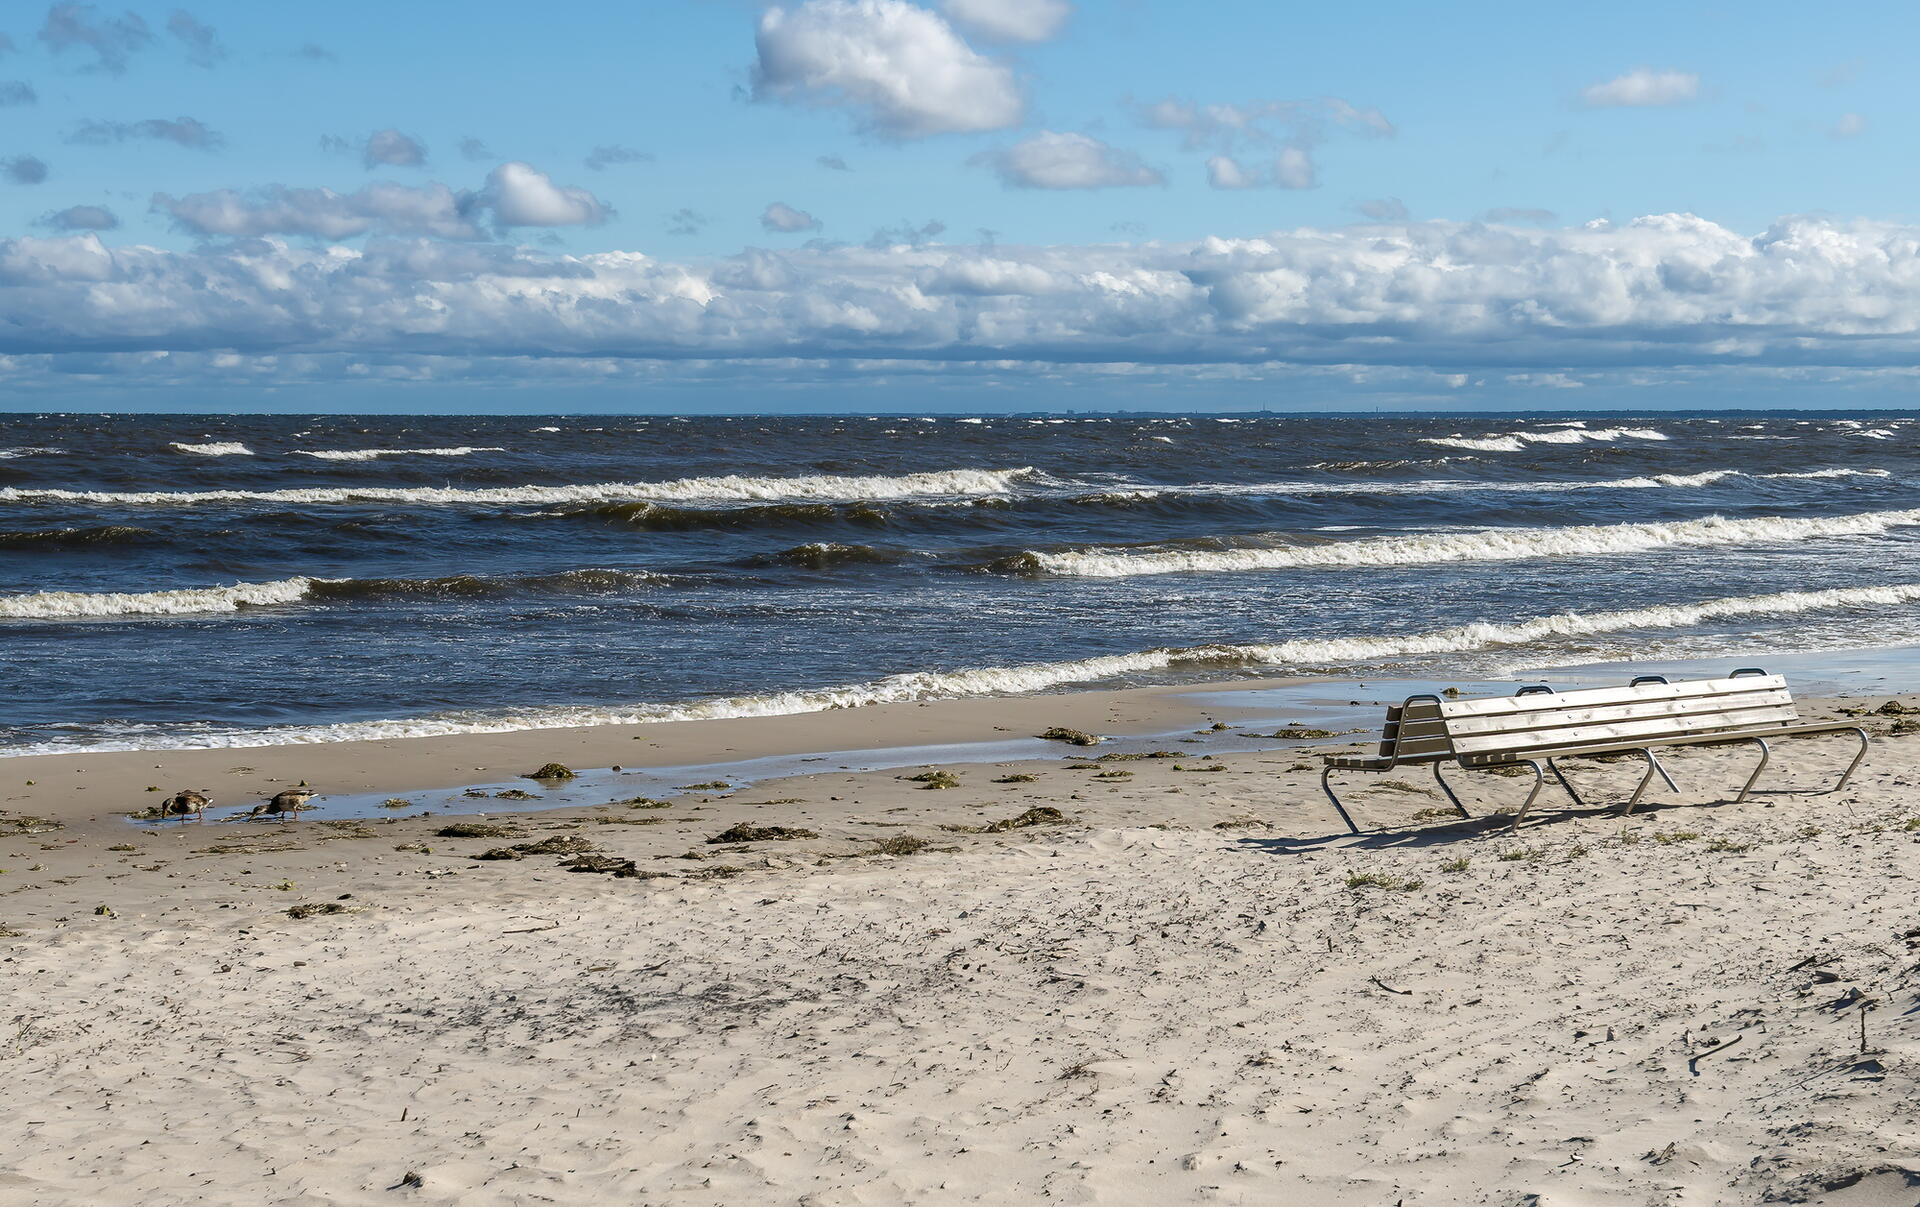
x,y
1225,172
1663,293
902,67
1262,123
186,131
201,42
82,218
784,219
1850,125
516,194
1292,168
521,195
1641,87
1011,20
1384,209
382,208
1051,160
74,26
390,148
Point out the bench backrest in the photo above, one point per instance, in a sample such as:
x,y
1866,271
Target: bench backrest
x,y
1415,730
1536,725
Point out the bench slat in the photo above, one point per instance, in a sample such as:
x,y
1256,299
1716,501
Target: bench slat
x,y
1499,758
1554,718
1587,697
1651,731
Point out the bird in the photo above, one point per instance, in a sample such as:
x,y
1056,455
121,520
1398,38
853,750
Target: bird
x,y
184,802
284,804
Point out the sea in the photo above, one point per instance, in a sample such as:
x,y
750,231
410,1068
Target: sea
x,y
191,581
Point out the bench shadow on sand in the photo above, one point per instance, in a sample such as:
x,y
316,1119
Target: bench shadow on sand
x,y
1542,819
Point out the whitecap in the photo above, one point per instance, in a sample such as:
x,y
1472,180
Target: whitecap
x,y
1491,544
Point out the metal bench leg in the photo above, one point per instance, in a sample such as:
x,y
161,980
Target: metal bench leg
x,y
1766,753
1671,786
1448,789
1539,782
1327,787
1851,767
1565,783
1653,765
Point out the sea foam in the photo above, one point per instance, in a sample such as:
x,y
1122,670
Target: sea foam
x,y
1491,544
1513,442
219,448
372,454
732,488
194,601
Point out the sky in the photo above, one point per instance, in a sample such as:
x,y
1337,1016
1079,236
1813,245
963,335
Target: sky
x,y
967,205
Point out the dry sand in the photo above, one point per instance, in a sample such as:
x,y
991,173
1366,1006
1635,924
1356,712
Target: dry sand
x,y
1194,988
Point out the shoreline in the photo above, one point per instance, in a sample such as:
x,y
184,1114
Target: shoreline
x,y
971,730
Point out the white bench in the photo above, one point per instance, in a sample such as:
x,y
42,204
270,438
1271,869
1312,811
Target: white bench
x,y
1538,726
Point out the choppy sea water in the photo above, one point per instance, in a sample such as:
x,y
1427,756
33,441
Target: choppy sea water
x,y
187,580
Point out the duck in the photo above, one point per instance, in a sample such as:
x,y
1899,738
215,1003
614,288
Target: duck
x,y
184,802
285,803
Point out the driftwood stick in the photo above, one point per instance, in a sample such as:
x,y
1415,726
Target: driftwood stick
x,y
1389,988
1693,1062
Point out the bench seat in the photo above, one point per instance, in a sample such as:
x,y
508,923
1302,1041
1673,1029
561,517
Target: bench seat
x,y
1537,726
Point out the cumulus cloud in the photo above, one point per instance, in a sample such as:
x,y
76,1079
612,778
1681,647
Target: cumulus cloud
x,y
1292,168
1010,20
82,218
1384,209
901,67
1665,292
390,148
112,41
16,92
202,44
474,150
1641,87
781,218
1052,160
23,169
686,222
833,163
185,131
520,194
604,157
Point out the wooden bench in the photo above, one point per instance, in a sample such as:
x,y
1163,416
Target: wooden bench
x,y
1538,726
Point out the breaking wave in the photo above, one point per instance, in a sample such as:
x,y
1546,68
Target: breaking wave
x,y
1513,442
731,488
200,601
1034,677
219,448
1492,544
8,454
373,454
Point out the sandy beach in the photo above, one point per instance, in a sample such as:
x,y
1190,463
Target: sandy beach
x,y
1188,984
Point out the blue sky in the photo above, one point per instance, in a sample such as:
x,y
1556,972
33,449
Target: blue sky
x,y
1036,202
